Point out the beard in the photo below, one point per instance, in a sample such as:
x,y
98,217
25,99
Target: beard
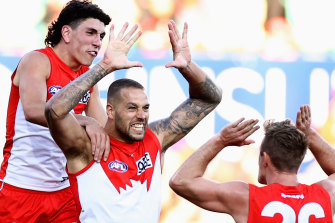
x,y
124,132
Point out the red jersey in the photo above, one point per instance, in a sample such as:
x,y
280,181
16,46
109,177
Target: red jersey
x,y
125,188
60,75
276,203
32,160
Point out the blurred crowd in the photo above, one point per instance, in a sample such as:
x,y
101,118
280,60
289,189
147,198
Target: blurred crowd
x,y
277,30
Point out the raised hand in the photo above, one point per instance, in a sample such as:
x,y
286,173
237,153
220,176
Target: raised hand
x,y
115,56
303,121
180,48
236,133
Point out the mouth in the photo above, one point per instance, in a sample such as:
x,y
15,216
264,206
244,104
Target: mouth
x,y
93,53
138,126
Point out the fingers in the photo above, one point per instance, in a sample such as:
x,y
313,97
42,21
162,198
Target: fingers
x,y
111,32
237,122
237,132
245,128
93,143
303,115
97,146
123,30
102,147
185,31
305,112
173,29
173,39
107,150
298,119
128,38
134,38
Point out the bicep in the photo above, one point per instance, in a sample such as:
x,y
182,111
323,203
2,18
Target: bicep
x,y
329,185
228,197
181,121
32,73
68,134
94,107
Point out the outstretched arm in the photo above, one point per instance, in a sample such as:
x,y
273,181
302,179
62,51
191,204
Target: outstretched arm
x,y
323,152
229,197
204,94
66,131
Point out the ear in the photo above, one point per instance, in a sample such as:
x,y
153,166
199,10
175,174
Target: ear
x,y
66,33
266,160
110,110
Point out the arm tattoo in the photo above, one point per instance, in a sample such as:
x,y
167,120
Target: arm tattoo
x,y
206,90
204,97
181,121
69,96
53,111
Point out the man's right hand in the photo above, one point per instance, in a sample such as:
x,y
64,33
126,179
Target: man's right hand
x,y
303,120
115,56
236,133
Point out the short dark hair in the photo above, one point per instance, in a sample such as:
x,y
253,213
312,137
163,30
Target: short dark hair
x,y
119,84
74,12
285,144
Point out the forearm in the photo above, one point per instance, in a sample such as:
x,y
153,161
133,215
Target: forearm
x,y
69,96
195,166
84,120
323,152
37,117
200,85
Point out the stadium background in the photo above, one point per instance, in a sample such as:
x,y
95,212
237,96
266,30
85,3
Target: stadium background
x,y
269,57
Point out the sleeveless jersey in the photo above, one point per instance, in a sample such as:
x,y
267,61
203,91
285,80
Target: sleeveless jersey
x,y
125,188
276,203
32,160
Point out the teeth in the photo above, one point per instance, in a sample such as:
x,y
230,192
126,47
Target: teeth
x,y
93,53
138,126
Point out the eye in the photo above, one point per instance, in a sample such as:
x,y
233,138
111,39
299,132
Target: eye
x,y
146,108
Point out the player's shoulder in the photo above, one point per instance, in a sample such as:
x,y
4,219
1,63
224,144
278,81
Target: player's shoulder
x,y
328,184
34,62
36,59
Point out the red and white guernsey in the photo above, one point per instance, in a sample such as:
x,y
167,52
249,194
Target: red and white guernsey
x,y
125,188
276,203
32,160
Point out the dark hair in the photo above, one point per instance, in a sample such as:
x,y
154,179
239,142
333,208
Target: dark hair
x,y
285,144
73,14
119,84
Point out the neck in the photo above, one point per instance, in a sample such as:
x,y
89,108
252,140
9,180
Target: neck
x,y
63,54
283,178
112,132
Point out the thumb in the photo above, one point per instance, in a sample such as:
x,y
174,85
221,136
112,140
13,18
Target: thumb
x,y
170,64
134,64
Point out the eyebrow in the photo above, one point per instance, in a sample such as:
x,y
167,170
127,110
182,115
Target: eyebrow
x,y
96,31
134,104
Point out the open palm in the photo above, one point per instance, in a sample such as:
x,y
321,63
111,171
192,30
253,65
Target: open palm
x,y
115,56
180,48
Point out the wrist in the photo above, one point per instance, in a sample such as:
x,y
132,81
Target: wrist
x,y
105,69
186,69
220,142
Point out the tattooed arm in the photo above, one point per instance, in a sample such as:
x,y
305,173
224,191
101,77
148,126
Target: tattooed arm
x,y
204,94
64,128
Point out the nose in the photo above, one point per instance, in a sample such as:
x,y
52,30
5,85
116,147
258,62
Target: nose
x,y
141,114
97,41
